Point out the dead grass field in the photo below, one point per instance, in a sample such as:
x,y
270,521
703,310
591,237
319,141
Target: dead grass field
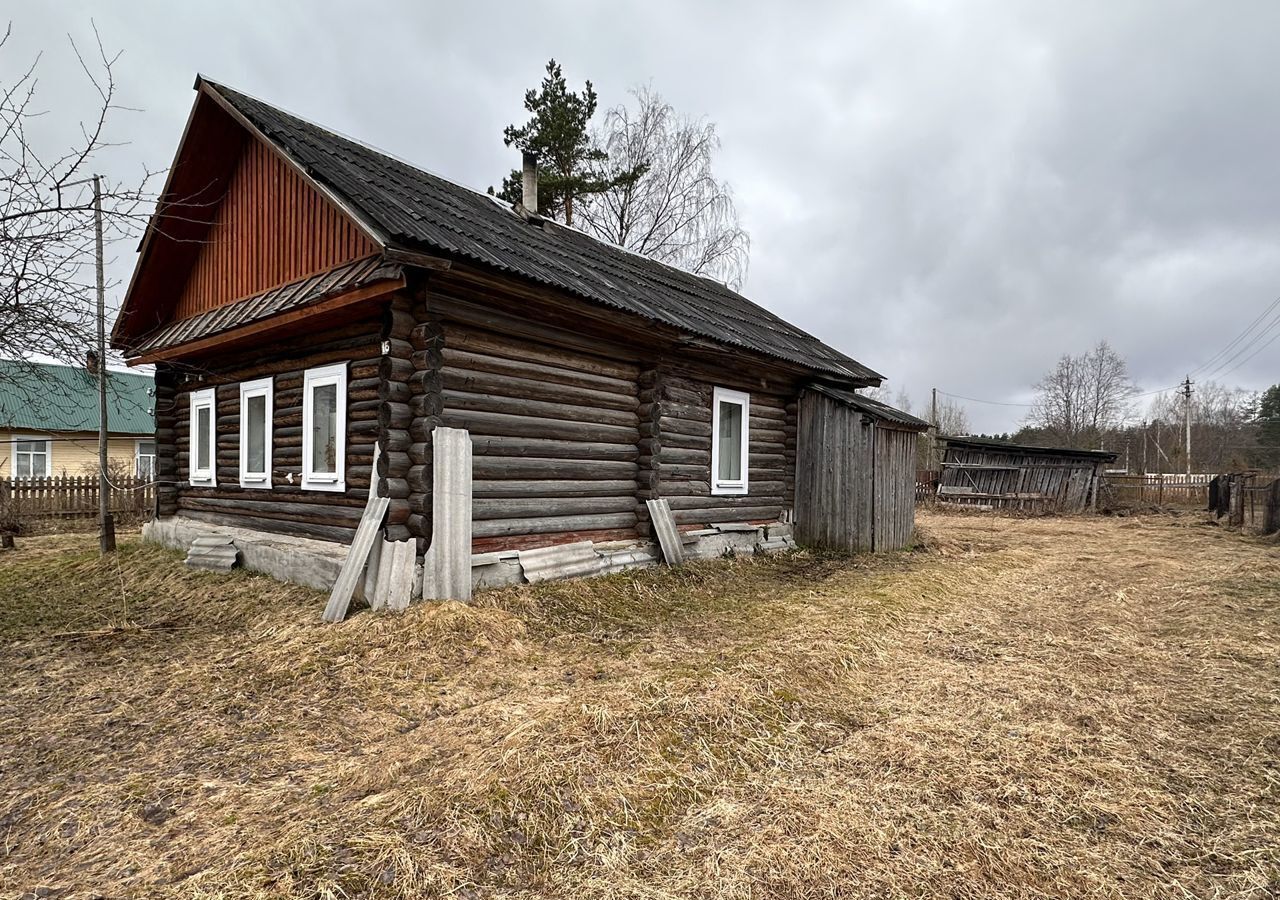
x,y
1036,707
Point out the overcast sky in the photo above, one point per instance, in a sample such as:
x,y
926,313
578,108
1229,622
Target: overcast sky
x,y
954,194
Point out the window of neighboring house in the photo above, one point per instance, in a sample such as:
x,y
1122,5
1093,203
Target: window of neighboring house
x,y
324,426
32,457
145,460
730,429
202,457
255,434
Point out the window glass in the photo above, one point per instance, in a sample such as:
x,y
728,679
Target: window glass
x,y
31,459
729,467
146,467
203,416
324,429
256,434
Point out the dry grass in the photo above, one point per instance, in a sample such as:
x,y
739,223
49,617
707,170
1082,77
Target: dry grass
x,y
1048,707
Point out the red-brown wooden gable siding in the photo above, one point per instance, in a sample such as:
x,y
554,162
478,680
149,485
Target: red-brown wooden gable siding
x,y
270,228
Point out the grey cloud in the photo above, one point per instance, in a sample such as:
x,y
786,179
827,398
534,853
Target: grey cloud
x,y
954,195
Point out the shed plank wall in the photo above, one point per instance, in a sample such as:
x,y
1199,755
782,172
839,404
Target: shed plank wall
x,y
1029,481
855,478
894,510
270,228
834,487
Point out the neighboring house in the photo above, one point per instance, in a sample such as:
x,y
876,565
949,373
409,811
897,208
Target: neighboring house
x,y
49,421
304,297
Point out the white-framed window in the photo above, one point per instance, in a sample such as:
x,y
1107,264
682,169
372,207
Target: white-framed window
x,y
255,434
324,428
730,437
144,455
32,456
202,463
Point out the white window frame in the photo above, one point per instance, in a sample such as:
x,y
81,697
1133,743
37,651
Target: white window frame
x,y
248,390
138,454
312,379
33,439
725,395
204,399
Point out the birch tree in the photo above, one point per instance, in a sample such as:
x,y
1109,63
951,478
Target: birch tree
x,y
1083,397
663,199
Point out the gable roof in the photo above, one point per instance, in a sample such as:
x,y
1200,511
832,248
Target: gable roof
x,y
873,408
415,209
48,397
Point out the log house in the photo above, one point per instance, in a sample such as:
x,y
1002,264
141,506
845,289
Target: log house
x,y
303,297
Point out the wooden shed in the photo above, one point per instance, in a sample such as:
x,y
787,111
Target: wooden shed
x,y
316,310
855,473
1000,475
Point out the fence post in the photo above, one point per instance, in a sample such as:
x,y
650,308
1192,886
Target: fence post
x,y
1235,514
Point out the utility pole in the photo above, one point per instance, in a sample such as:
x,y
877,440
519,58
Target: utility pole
x,y
933,418
1144,448
107,537
1186,417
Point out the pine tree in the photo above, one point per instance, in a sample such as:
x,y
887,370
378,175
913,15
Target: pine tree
x,y
1267,453
569,164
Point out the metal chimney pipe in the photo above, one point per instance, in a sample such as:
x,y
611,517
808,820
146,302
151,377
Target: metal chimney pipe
x,y
530,199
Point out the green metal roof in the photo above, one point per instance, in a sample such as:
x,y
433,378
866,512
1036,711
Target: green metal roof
x,y
48,397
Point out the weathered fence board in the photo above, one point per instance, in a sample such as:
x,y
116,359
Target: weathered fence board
x,y
67,496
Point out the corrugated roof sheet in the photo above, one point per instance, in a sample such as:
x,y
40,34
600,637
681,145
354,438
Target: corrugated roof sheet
x,y
1006,446
874,408
294,295
47,397
421,210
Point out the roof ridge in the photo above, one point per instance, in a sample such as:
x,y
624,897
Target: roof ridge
x,y
373,148
406,202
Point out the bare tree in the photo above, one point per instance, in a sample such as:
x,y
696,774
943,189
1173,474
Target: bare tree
x,y
1083,397
675,211
1222,436
46,216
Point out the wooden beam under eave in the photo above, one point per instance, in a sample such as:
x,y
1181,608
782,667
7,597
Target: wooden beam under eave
x,y
266,327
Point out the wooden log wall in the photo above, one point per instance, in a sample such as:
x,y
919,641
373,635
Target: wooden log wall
x,y
675,451
426,340
893,514
395,418
166,408
554,434
287,508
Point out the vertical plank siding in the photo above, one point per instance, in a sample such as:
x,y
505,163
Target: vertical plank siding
x,y
269,228
1008,479
855,478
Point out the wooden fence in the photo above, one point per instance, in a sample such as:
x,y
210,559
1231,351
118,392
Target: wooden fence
x,y
1126,491
926,484
1249,500
25,500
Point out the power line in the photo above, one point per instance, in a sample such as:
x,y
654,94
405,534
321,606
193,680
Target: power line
x,y
1252,355
1211,360
990,402
1252,343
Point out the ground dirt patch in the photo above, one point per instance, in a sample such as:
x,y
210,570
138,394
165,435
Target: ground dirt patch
x,y
1023,708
